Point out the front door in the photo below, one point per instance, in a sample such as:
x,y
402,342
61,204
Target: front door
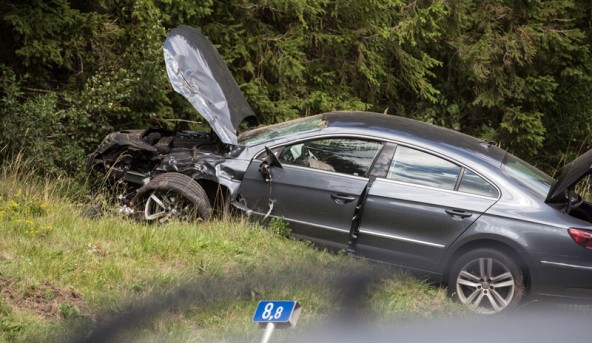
x,y
317,189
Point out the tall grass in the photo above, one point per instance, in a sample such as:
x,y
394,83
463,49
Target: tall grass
x,y
65,276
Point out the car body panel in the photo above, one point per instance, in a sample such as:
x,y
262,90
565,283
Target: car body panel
x,y
410,223
565,277
304,197
539,248
570,175
196,71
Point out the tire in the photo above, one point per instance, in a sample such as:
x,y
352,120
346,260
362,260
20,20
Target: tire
x,y
488,281
172,196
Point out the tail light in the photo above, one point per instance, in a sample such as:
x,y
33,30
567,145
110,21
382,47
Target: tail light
x,y
582,237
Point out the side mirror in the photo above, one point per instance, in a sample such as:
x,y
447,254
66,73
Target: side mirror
x,y
269,161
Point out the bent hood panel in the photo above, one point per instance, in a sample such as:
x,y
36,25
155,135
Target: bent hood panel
x,y
569,176
196,71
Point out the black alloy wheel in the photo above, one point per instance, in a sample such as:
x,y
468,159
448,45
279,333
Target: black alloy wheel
x,y
173,196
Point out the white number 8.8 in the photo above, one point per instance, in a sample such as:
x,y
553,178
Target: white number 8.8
x,y
268,309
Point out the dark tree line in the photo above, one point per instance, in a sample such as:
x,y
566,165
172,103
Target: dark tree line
x,y
515,72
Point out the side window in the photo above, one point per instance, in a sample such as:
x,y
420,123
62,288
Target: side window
x,y
263,155
342,155
417,167
474,184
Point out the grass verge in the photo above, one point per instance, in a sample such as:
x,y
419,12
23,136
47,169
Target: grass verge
x,y
67,277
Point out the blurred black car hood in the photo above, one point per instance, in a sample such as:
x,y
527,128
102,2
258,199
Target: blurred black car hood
x,y
196,71
569,176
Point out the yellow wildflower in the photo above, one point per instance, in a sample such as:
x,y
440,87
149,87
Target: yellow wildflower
x,y
13,204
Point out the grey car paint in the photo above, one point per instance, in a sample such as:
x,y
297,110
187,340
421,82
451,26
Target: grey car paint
x,y
520,220
196,71
408,224
319,205
569,176
413,225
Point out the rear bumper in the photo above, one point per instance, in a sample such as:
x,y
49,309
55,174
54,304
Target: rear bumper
x,y
563,277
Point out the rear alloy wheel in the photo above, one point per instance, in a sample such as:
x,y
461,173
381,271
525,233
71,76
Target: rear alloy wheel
x,y
487,281
173,196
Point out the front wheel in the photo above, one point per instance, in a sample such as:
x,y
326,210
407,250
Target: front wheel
x,y
173,196
487,281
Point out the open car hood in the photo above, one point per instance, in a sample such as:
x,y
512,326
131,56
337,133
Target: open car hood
x,y
569,176
196,71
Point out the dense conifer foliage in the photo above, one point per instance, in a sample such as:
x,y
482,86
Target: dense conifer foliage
x,y
515,72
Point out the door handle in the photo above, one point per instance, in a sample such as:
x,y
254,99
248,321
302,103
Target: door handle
x,y
342,198
458,213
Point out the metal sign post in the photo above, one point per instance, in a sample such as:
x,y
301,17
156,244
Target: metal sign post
x,y
268,332
273,314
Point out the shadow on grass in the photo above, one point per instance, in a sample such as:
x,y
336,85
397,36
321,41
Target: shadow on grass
x,y
348,292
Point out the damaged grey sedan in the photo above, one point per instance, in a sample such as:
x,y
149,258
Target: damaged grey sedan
x,y
463,211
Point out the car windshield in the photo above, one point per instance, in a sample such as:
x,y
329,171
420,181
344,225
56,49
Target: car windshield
x,y
282,129
527,174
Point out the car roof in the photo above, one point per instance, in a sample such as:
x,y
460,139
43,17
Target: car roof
x,y
404,130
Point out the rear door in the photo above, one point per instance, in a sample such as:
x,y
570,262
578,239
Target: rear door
x,y
422,204
317,189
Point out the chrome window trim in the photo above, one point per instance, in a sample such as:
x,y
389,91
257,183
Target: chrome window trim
x,y
436,189
326,136
461,165
322,136
384,141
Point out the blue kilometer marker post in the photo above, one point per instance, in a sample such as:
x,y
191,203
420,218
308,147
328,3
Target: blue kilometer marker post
x,y
276,313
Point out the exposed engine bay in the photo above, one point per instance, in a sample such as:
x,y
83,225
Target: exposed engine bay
x,y
130,159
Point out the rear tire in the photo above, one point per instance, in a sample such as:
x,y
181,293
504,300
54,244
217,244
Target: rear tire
x,y
488,281
172,196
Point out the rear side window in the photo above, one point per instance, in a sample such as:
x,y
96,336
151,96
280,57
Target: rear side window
x,y
417,167
421,168
475,184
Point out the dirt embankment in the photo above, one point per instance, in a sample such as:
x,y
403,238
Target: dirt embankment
x,y
46,300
